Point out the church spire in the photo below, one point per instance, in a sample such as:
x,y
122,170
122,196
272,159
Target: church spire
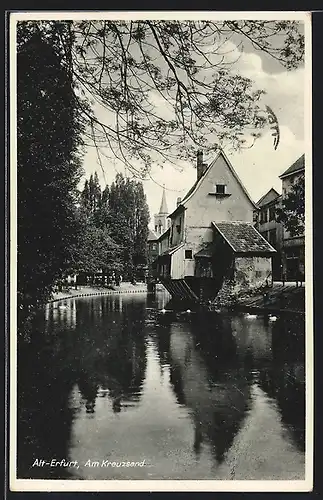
x,y
163,206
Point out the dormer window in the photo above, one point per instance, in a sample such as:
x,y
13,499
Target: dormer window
x,y
220,188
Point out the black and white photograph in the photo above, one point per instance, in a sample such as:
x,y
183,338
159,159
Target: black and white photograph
x,y
161,333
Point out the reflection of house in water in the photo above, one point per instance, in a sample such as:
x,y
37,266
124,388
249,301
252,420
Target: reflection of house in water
x,y
218,404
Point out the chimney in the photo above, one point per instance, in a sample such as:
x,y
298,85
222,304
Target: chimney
x,y
199,164
178,201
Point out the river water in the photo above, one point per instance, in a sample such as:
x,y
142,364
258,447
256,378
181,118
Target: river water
x,y
119,390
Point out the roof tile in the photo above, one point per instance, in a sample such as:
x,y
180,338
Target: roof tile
x,y
243,237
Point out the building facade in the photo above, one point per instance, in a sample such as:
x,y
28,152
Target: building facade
x,y
268,226
293,248
217,197
158,239
152,251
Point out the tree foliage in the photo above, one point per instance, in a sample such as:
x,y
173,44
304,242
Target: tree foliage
x,y
129,218
168,87
96,250
292,211
119,214
48,167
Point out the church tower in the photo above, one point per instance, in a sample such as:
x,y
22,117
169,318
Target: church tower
x,y
161,223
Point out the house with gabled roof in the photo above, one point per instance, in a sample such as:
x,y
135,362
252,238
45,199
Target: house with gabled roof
x,y
195,265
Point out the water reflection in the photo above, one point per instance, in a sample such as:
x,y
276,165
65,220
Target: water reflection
x,y
218,399
196,396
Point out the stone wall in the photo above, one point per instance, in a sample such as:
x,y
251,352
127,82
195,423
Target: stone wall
x,y
226,295
252,273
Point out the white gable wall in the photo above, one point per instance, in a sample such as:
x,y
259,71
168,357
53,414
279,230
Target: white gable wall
x,y
203,208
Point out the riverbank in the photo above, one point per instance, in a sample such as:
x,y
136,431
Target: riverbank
x,y
279,298
88,291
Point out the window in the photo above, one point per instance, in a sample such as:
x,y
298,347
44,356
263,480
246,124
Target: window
x,y
188,254
179,225
272,213
220,188
263,216
272,237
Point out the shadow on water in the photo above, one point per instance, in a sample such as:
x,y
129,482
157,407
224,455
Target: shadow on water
x,y
284,378
95,348
102,350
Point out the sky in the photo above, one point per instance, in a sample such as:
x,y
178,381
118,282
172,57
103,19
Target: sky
x,y
259,167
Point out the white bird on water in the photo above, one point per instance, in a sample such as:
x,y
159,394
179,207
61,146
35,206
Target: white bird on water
x,y
188,311
250,316
273,318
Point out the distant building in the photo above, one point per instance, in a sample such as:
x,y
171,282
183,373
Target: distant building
x,y
269,228
161,221
152,251
212,245
293,250
161,224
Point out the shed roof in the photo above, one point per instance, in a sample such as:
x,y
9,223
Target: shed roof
x,y
243,237
172,250
207,251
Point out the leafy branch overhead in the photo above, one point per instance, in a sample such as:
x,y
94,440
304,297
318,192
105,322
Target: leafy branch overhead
x,y
156,90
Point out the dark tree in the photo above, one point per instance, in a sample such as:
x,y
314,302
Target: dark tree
x,y
292,211
48,167
91,194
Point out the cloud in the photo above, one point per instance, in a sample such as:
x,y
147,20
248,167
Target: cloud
x,y
284,90
259,167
